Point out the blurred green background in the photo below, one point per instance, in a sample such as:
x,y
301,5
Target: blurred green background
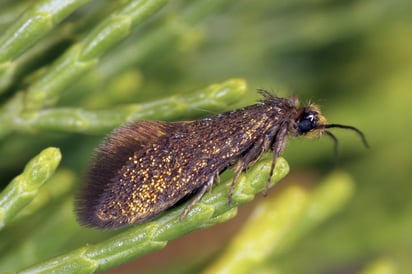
x,y
353,58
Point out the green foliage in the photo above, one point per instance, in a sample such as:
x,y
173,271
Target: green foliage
x,y
22,189
277,223
71,71
150,236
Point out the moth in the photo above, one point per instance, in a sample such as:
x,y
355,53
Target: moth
x,y
145,167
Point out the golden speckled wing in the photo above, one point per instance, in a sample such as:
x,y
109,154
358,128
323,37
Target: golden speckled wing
x,y
145,167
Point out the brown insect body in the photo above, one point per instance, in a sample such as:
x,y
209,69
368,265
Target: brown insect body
x,y
145,167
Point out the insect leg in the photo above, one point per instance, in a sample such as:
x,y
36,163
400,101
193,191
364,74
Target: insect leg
x,y
248,159
278,145
199,194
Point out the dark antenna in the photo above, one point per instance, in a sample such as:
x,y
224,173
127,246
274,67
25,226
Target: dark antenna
x,y
335,145
360,133
335,140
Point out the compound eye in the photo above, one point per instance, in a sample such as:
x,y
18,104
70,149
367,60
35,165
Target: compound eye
x,y
307,123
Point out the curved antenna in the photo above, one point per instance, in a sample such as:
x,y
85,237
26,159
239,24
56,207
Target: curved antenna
x,y
335,144
360,133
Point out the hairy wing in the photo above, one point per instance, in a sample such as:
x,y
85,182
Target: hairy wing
x,y
145,167
107,185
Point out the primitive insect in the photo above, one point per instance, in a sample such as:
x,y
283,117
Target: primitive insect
x,y
145,167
